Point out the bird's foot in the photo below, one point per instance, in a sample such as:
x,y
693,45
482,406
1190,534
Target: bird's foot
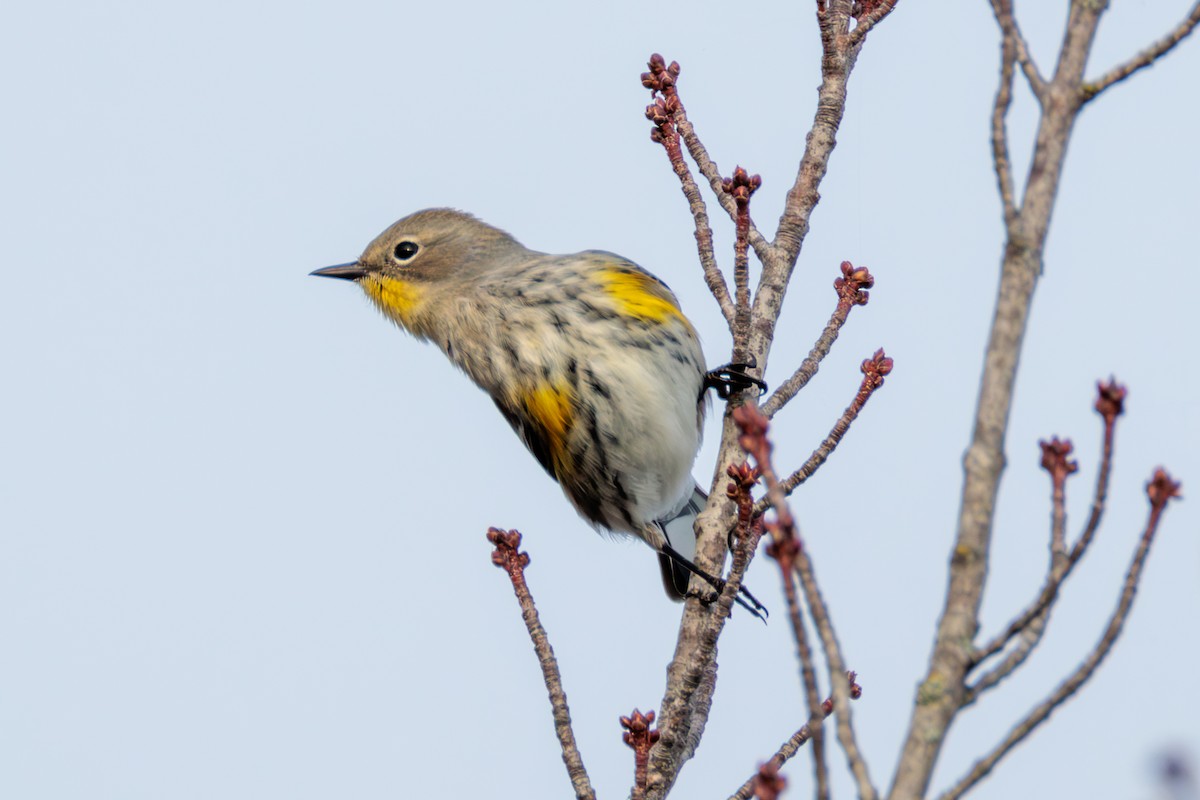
x,y
744,598
732,378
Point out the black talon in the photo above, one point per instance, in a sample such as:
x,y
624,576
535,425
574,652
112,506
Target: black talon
x,y
732,378
757,609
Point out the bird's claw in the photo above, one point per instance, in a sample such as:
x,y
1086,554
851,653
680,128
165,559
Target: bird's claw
x,y
732,378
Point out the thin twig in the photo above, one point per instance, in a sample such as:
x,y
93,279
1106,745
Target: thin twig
x,y
784,550
661,81
754,441
712,173
797,739
1161,489
873,13
837,665
1145,58
874,370
507,556
1110,405
1011,33
852,291
741,187
1000,159
1055,460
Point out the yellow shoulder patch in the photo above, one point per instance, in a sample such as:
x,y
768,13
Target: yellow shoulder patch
x,y
639,295
397,298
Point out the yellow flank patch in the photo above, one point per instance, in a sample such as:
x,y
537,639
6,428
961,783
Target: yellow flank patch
x,y
550,408
398,299
639,295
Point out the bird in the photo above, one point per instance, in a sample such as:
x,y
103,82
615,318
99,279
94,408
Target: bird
x,y
588,357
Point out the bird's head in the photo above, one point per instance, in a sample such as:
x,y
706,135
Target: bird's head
x,y
428,257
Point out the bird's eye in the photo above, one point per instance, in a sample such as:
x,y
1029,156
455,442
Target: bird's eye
x,y
405,250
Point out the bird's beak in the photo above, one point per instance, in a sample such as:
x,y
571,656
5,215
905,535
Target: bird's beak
x,y
351,272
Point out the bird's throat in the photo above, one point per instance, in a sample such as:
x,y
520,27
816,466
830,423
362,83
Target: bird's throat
x,y
399,299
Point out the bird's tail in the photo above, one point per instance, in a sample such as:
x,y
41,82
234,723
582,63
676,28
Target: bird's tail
x,y
681,538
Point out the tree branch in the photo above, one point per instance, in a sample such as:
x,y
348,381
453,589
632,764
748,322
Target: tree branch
x,y
797,740
754,441
873,12
691,676
783,549
837,62
943,691
874,370
852,291
1145,58
660,80
1110,405
1000,159
1056,461
507,556
1161,489
712,173
741,187
1011,33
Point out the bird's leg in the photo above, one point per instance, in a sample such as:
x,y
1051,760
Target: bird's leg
x,y
732,378
744,598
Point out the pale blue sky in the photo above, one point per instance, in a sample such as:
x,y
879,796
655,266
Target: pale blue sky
x,y
243,518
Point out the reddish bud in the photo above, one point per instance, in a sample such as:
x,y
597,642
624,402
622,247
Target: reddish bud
x,y
769,783
1110,399
876,368
852,286
506,554
855,689
1162,489
1055,459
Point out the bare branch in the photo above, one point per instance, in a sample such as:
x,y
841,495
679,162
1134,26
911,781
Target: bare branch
x,y
507,556
807,671
1146,57
1056,461
741,187
1110,405
837,63
943,691
783,550
754,441
692,673
874,370
1161,489
691,676
796,740
1000,159
661,81
873,12
712,173
1012,36
852,291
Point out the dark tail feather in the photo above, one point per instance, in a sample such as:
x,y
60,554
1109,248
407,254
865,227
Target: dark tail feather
x,y
681,537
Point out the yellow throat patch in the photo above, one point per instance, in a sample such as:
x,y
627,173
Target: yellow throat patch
x,y
397,298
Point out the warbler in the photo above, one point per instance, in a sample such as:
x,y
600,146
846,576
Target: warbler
x,y
588,356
